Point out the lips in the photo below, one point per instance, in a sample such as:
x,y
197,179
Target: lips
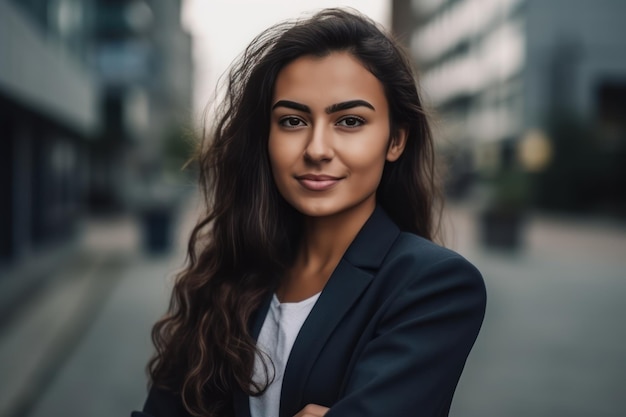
x,y
315,182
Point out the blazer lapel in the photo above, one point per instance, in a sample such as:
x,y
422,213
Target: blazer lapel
x,y
347,282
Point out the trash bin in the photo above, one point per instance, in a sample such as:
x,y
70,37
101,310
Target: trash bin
x,y
158,229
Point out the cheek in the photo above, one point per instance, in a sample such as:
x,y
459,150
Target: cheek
x,y
365,156
276,154
281,156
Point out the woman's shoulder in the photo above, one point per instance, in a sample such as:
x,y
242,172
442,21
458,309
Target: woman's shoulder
x,y
421,276
415,258
410,245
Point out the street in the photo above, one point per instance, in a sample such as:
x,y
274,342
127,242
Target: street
x,y
552,343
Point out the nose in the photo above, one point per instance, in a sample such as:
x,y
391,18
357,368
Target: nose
x,y
319,147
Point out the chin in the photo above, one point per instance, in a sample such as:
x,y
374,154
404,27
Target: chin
x,y
332,208
317,210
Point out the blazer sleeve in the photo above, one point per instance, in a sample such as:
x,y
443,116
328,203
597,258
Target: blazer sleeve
x,y
162,403
413,363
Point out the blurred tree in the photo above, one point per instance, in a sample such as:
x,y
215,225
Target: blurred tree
x,y
502,218
179,148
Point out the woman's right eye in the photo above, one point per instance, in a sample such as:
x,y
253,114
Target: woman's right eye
x,y
291,122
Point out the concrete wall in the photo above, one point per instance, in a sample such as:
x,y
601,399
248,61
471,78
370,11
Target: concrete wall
x,y
571,46
39,74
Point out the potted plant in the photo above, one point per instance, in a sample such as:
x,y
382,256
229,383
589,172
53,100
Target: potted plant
x,y
502,219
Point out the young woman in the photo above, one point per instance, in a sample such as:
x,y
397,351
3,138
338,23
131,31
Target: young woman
x,y
313,286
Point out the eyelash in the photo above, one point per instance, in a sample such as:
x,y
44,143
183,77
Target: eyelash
x,y
360,121
285,122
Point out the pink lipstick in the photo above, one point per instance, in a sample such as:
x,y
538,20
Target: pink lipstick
x,y
317,182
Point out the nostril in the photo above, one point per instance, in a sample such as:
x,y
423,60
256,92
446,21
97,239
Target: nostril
x,y
318,154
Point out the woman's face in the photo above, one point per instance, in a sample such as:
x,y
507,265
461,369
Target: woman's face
x,y
329,135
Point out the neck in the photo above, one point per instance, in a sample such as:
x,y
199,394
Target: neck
x,y
327,238
324,242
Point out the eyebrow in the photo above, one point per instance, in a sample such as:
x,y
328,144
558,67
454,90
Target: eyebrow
x,y
333,108
348,105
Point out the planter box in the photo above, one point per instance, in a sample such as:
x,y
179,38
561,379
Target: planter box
x,y
502,230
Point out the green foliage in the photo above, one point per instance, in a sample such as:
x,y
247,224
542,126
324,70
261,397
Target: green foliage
x,y
511,190
179,148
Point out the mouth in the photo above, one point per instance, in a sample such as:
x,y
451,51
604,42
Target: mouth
x,y
315,182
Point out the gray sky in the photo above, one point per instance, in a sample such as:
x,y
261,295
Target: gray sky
x,y
223,28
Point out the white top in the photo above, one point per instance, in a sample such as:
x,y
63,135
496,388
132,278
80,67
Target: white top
x,y
278,334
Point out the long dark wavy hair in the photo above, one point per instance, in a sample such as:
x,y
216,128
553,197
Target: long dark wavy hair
x,y
248,235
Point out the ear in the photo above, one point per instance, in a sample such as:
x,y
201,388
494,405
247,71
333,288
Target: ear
x,y
396,145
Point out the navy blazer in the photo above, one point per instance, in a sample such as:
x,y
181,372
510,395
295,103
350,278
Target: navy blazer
x,y
388,336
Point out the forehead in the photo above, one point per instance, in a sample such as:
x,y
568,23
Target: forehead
x,y
326,80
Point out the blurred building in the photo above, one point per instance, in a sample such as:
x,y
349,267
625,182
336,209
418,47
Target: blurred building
x,y
143,57
502,71
49,116
89,92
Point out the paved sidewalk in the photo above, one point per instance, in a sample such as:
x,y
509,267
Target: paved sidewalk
x,y
105,375
48,335
44,328
552,343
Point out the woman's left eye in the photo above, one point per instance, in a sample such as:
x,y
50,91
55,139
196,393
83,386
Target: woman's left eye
x,y
351,122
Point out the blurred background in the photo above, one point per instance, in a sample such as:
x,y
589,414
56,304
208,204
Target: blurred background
x,y
101,105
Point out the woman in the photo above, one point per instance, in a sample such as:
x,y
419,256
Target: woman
x,y
312,286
